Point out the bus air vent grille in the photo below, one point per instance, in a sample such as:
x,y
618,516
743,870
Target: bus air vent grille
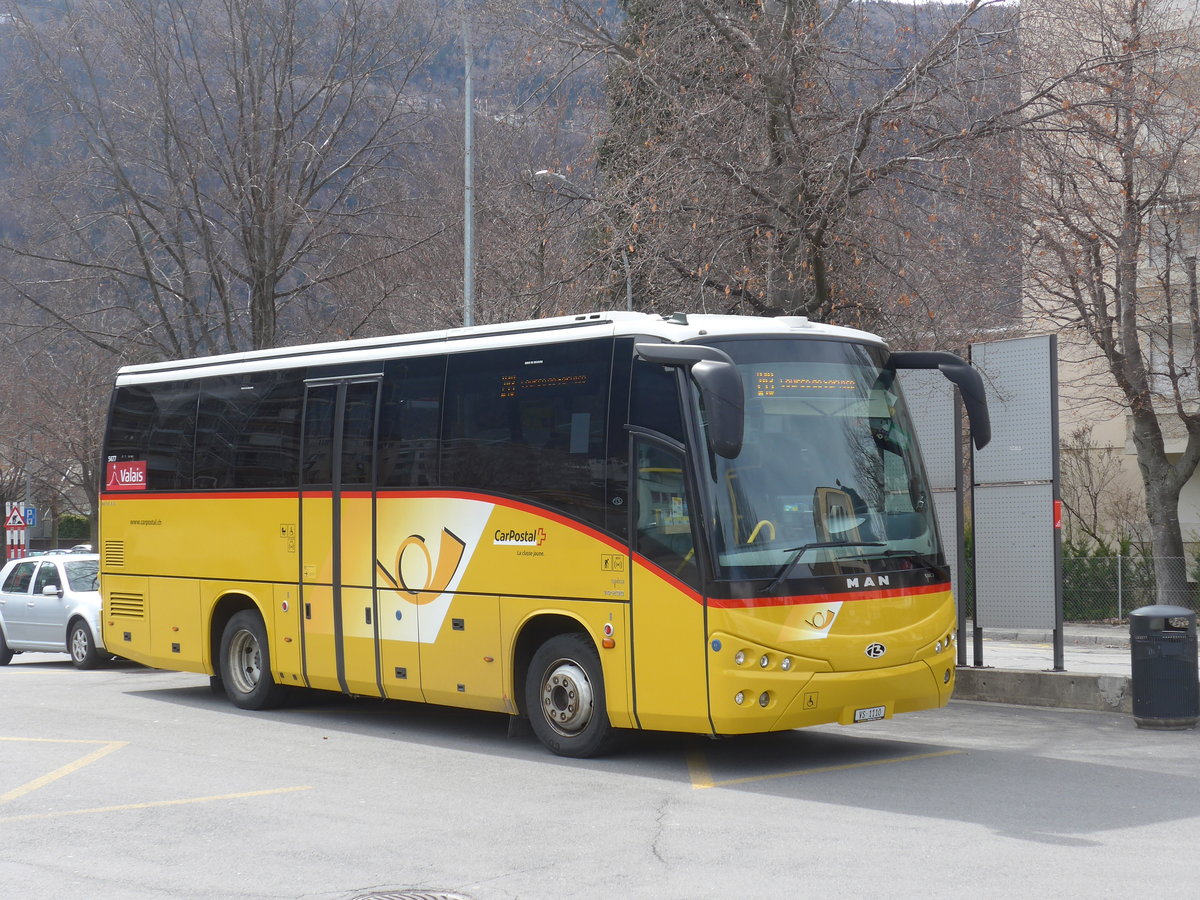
x,y
114,554
129,606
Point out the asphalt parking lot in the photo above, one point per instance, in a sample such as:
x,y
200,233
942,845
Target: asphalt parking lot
x,y
125,782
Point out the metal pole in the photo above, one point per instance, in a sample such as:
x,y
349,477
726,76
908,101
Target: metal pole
x,y
1056,494
468,173
976,631
1120,587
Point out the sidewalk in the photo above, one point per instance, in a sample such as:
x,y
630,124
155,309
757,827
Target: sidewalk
x,y
1017,666
1087,649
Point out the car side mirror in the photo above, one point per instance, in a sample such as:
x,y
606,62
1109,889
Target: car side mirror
x,y
51,590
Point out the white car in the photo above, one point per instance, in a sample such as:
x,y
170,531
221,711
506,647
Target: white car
x,y
52,604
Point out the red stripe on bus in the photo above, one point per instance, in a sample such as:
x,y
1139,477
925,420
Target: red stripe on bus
x,y
516,505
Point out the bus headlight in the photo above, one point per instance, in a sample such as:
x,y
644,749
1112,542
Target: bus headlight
x,y
763,699
739,657
786,665
764,662
739,698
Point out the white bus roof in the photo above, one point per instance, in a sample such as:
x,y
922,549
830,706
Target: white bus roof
x,y
675,328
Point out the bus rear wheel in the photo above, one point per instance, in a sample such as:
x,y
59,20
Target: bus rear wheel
x,y
564,697
246,663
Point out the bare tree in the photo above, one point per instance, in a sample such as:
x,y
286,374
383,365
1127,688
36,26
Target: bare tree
x,y
1100,507
1111,204
200,166
783,156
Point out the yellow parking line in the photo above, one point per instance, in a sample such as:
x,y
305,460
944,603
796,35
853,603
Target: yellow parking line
x,y
701,778
155,803
698,769
109,747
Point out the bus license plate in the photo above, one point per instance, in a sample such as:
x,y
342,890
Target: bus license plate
x,y
870,714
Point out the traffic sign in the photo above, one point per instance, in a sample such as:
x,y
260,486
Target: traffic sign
x,y
14,519
31,516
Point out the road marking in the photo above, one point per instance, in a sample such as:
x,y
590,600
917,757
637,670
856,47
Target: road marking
x,y
698,769
107,748
155,803
702,777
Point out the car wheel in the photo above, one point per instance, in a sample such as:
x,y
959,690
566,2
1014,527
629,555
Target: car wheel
x,y
6,653
564,697
246,663
82,646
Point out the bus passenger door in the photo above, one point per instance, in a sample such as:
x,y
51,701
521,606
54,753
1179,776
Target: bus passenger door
x,y
671,689
337,499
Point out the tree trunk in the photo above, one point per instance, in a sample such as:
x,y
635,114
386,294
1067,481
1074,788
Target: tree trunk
x,y
1162,509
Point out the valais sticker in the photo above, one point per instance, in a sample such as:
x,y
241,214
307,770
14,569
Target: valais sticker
x,y
126,476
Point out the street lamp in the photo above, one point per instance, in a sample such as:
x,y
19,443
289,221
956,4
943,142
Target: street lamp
x,y
577,194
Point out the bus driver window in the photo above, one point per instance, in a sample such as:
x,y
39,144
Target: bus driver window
x,y
664,528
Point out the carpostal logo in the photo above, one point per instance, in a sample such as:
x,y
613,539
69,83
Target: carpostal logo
x,y
512,538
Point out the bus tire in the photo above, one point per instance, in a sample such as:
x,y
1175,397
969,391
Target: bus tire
x,y
246,663
6,653
564,697
82,646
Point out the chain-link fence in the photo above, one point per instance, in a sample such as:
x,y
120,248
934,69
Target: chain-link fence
x,y
1106,588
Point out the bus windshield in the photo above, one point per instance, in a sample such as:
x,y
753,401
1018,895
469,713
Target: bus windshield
x,y
829,480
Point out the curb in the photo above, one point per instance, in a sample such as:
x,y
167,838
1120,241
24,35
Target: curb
x,y
1065,690
1070,638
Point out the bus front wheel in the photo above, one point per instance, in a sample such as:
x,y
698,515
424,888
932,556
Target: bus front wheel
x,y
246,663
564,697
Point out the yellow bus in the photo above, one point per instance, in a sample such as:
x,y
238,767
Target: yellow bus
x,y
693,523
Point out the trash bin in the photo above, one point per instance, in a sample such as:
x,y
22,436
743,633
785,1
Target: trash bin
x,y
1166,693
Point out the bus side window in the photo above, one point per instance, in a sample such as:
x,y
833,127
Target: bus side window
x,y
654,399
316,465
156,423
409,421
530,422
248,430
663,530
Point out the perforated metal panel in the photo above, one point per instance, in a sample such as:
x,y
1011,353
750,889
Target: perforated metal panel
x,y
1019,377
946,505
934,406
1014,556
1015,485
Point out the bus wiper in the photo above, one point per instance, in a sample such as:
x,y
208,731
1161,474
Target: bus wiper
x,y
798,552
923,558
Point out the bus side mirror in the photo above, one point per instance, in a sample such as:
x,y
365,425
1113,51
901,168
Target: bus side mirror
x,y
962,374
720,386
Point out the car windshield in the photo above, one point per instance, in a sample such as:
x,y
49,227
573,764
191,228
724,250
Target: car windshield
x,y
82,574
829,480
